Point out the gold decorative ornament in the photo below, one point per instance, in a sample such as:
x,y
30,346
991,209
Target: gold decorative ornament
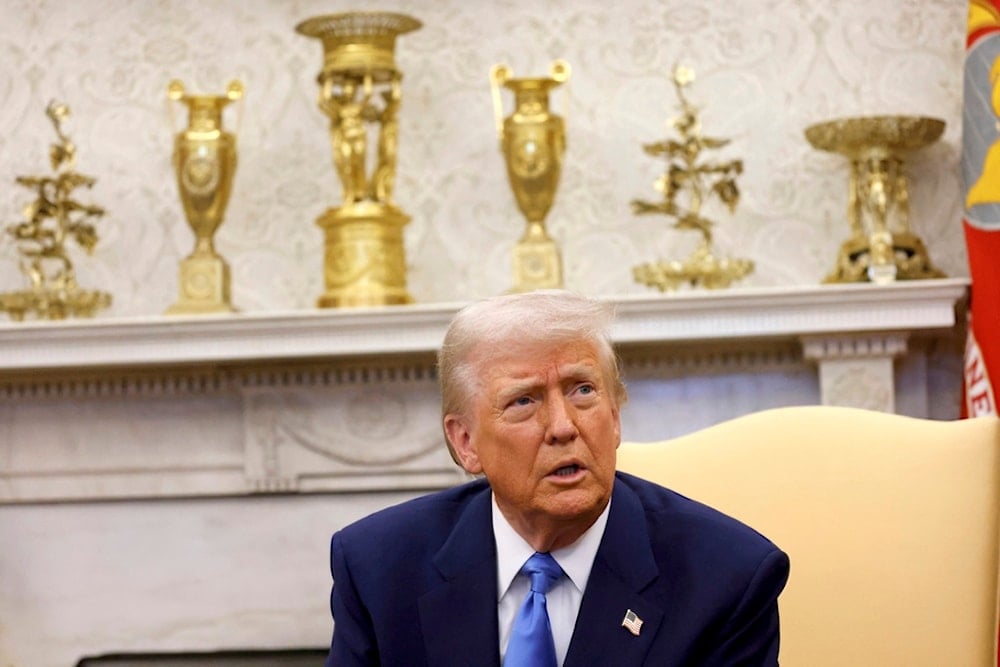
x,y
50,220
695,183
205,162
532,141
882,246
360,90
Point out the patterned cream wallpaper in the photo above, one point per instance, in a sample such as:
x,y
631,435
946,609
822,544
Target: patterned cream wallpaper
x,y
766,69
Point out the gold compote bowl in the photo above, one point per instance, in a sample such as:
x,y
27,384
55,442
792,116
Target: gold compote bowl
x,y
881,247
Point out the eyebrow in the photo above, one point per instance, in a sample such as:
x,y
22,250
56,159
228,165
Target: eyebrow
x,y
580,371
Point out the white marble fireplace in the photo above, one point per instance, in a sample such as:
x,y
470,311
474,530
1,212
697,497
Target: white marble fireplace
x,y
170,485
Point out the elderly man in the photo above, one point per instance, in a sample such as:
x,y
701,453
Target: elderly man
x,y
551,558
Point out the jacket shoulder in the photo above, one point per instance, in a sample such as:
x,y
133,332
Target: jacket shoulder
x,y
414,521
674,515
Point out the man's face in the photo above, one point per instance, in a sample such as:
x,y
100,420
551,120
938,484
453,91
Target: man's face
x,y
543,428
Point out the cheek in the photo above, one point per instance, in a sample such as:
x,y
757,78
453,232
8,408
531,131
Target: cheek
x,y
513,452
512,455
606,436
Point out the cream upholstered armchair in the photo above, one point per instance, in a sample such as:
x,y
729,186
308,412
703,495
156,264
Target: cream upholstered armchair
x,y
890,522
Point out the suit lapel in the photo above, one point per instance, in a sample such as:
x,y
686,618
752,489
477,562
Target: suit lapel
x,y
459,617
623,568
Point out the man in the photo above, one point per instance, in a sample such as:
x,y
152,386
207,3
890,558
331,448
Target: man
x,y
634,574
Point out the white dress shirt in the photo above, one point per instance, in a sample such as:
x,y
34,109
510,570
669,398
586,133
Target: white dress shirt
x,y
563,599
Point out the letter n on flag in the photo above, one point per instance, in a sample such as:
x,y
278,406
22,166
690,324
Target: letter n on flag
x,y
981,177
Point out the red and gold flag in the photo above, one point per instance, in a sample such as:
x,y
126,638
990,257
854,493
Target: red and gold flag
x,y
981,176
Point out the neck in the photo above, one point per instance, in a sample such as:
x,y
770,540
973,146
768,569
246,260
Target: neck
x,y
545,534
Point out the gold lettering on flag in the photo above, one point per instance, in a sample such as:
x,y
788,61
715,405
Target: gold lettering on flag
x,y
978,389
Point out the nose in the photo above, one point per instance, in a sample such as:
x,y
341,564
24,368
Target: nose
x,y
561,427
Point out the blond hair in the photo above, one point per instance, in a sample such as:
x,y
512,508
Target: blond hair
x,y
539,317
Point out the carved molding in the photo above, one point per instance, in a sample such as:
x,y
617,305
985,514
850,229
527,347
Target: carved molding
x,y
198,380
849,347
345,437
858,383
857,370
707,358
170,356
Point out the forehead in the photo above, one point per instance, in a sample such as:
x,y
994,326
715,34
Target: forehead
x,y
538,360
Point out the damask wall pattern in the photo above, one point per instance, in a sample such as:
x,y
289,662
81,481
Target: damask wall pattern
x,y
766,69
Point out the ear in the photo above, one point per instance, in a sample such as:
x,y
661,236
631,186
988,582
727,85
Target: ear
x,y
460,438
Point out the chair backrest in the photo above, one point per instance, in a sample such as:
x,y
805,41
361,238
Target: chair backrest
x,y
890,522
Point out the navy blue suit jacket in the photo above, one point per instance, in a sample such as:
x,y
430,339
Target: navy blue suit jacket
x,y
416,584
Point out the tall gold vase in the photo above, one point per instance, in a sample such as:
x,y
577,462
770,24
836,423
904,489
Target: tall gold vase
x,y
532,141
205,162
364,260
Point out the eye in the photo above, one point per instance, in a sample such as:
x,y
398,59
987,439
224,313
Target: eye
x,y
521,401
585,393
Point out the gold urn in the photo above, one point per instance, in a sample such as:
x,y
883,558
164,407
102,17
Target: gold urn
x,y
360,91
532,141
882,246
205,164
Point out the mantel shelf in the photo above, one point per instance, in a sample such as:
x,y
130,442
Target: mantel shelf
x,y
695,316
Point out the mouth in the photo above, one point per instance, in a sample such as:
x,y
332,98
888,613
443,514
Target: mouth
x,y
568,472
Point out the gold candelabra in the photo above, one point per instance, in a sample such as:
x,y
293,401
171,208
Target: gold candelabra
x,y
360,90
51,220
882,246
687,185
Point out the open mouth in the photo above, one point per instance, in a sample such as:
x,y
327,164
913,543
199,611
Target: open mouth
x,y
567,471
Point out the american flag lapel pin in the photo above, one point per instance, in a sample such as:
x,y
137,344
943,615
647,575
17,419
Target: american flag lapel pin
x,y
632,623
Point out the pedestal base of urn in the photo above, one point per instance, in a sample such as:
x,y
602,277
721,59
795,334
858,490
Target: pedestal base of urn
x,y
364,262
537,264
204,287
909,254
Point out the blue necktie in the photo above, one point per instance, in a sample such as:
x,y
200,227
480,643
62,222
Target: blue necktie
x,y
531,642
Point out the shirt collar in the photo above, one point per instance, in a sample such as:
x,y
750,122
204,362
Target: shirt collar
x,y
576,560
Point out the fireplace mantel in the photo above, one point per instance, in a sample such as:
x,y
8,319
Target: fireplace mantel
x,y
415,331
347,400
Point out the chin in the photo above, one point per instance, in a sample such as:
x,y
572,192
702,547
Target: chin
x,y
573,504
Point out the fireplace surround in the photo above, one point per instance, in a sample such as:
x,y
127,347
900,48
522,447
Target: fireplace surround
x,y
169,486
